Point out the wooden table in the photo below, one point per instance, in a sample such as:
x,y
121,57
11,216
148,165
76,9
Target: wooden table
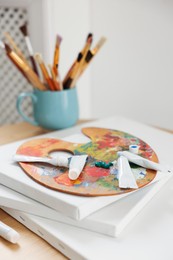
x,y
30,245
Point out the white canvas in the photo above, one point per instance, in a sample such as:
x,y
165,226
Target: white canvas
x,y
148,236
78,207
111,220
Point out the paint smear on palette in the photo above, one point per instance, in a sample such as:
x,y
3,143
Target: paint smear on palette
x,y
93,181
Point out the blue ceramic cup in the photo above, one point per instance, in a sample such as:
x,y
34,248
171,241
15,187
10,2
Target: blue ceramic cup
x,y
51,109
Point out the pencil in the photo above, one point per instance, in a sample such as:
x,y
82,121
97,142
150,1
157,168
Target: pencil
x,y
45,72
24,31
25,68
56,54
15,47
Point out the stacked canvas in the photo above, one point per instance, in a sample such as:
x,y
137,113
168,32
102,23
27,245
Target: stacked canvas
x,y
110,220
107,215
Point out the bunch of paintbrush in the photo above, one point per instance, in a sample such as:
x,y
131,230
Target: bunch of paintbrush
x,y
81,63
48,78
14,53
23,67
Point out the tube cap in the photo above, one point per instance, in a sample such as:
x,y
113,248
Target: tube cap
x,y
134,148
12,236
73,173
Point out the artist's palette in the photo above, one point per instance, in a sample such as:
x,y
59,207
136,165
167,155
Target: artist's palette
x,y
93,181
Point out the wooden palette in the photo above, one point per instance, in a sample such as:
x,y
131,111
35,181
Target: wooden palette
x,y
93,181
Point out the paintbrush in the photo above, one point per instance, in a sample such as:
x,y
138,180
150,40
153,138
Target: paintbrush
x,y
24,31
25,68
56,54
74,70
55,79
15,47
87,45
97,47
45,72
92,53
3,47
84,53
65,85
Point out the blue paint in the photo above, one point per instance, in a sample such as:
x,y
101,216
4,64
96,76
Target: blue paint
x,y
85,184
134,146
142,173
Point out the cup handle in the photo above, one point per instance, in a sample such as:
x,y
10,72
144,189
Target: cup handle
x,y
19,102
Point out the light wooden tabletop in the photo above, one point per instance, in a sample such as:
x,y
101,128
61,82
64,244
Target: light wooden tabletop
x,y
30,246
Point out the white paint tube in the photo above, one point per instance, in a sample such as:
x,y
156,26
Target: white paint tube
x,y
139,160
74,163
125,174
76,166
9,233
56,161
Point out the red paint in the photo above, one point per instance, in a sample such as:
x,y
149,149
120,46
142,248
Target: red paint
x,y
96,171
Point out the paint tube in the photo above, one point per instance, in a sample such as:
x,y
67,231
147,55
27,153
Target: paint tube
x,y
9,233
125,174
133,148
56,161
139,160
76,166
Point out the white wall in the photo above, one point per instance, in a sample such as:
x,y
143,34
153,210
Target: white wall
x,y
133,74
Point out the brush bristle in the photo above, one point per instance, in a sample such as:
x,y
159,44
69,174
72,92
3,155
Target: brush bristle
x,y
90,35
38,57
79,56
7,47
2,45
89,38
58,39
101,41
24,30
